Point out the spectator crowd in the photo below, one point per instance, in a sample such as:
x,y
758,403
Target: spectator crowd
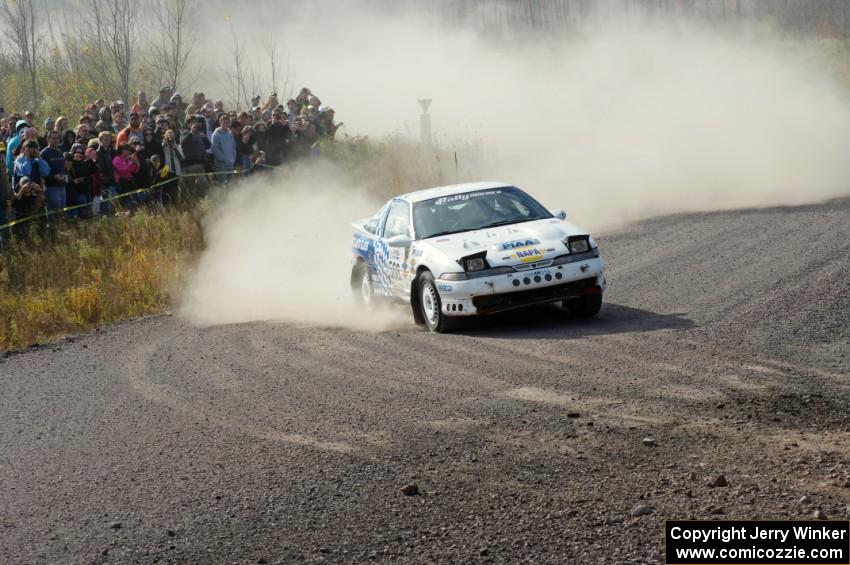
x,y
173,148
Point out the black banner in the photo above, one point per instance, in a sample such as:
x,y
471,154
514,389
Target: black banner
x,y
757,542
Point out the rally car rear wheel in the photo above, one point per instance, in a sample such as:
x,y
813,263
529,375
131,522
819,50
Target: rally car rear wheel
x,y
361,284
431,306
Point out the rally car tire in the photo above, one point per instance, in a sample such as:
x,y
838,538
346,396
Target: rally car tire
x,y
361,284
586,306
430,305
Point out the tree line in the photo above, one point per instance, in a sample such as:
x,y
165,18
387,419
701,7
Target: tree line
x,y
815,17
56,56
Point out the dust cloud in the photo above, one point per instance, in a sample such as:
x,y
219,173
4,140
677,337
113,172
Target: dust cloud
x,y
280,249
623,119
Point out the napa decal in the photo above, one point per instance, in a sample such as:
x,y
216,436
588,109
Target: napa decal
x,y
525,250
528,254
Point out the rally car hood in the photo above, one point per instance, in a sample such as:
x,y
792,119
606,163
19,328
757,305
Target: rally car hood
x,y
514,244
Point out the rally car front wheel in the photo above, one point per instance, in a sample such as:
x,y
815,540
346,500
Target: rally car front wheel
x,y
586,306
431,307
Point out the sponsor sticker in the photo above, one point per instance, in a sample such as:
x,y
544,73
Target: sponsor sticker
x,y
528,254
518,244
361,244
465,196
444,287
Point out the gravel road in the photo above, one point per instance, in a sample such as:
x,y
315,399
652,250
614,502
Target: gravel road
x,y
723,349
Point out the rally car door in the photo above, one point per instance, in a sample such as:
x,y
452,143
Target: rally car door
x,y
392,262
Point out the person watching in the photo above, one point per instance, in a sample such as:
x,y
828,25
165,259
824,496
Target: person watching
x,y
55,182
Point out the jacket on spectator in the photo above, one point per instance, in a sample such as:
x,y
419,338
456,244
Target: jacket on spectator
x,y
104,166
194,149
5,186
152,147
277,143
127,135
97,181
36,169
244,150
105,120
56,161
14,144
224,148
80,177
124,168
27,206
171,156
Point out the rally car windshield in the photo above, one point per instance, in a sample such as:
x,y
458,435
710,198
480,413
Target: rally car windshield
x,y
469,211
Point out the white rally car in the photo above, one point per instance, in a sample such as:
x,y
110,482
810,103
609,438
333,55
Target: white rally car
x,y
472,249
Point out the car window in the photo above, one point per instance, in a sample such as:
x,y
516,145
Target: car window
x,y
398,220
468,211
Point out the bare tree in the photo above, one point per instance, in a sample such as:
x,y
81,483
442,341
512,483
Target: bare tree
x,y
242,79
19,16
110,39
121,38
282,73
91,21
171,50
271,47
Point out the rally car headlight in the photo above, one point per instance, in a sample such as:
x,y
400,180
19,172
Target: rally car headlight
x,y
475,262
578,243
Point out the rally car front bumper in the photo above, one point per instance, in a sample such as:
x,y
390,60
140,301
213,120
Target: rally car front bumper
x,y
487,295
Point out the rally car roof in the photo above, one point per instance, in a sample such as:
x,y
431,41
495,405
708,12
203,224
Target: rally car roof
x,y
448,190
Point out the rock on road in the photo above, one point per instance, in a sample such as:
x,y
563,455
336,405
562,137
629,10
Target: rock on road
x,y
723,349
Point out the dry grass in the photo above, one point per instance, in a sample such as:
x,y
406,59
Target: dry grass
x,y
93,273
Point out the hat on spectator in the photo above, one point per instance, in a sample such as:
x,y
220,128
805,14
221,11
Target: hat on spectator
x,y
135,141
48,121
31,143
176,96
134,115
165,88
94,143
78,148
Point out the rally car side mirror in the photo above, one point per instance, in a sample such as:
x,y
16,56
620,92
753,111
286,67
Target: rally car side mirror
x,y
560,214
399,241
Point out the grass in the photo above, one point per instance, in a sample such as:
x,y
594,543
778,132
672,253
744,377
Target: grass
x,y
93,273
